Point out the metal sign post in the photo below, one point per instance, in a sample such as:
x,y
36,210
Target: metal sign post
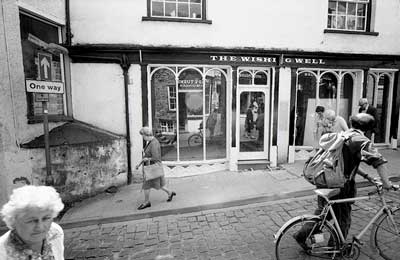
x,y
41,90
44,98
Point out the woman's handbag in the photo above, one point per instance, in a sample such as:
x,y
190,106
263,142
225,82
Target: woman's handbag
x,y
153,171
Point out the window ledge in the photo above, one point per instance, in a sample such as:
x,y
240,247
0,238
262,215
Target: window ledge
x,y
52,118
179,20
350,32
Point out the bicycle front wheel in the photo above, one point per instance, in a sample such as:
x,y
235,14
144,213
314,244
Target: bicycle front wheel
x,y
321,242
195,139
385,236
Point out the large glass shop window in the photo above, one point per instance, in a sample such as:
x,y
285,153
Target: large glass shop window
x,y
189,114
320,88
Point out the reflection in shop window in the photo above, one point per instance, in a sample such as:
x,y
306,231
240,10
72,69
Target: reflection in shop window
x,y
172,97
33,31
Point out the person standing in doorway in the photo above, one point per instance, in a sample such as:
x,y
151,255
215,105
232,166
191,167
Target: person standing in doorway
x,y
249,123
319,126
365,107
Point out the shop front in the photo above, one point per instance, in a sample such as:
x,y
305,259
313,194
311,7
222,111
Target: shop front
x,y
338,86
210,115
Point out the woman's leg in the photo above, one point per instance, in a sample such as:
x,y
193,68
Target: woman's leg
x,y
171,194
147,196
164,188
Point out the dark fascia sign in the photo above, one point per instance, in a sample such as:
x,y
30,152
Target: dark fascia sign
x,y
244,59
267,60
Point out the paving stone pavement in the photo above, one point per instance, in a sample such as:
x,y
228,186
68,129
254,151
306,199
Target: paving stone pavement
x,y
244,232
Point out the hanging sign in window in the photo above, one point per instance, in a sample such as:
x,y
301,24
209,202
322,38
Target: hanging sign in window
x,y
190,84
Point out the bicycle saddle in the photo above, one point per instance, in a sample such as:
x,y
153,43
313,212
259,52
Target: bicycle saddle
x,y
327,193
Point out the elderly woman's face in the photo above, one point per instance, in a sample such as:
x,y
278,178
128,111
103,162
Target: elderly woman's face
x,y
33,224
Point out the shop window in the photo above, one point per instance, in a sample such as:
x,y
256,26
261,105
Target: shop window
x,y
35,34
245,78
260,78
196,129
177,10
349,15
321,88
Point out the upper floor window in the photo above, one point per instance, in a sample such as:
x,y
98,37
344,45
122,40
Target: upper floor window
x,y
190,9
42,63
349,15
177,11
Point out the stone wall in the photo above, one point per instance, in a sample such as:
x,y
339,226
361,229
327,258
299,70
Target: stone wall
x,y
82,170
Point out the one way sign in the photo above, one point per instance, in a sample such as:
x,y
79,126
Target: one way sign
x,y
45,61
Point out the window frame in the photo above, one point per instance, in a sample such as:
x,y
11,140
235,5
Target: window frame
x,y
203,18
66,116
171,97
368,15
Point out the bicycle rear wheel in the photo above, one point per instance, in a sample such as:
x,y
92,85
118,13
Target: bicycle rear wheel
x,y
323,241
195,139
384,237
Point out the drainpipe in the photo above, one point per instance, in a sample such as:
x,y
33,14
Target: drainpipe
x,y
125,64
68,35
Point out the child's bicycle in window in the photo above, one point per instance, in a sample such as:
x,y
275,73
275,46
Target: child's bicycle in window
x,y
327,241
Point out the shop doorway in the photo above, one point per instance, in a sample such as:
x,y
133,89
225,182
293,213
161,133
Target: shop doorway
x,y
253,114
379,94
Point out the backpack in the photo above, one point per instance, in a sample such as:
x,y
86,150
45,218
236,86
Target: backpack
x,y
326,168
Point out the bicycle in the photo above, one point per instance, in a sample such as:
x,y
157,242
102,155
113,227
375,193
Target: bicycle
x,y
327,241
196,138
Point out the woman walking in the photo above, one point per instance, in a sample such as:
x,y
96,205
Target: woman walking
x,y
152,155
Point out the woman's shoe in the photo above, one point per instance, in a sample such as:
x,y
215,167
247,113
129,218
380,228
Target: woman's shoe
x,y
171,196
144,205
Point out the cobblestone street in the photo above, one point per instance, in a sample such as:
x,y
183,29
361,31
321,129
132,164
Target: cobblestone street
x,y
244,232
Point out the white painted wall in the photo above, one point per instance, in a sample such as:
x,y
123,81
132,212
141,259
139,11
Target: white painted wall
x,y
135,109
284,24
98,95
14,129
53,10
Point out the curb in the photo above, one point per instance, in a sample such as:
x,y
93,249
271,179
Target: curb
x,y
221,205
177,211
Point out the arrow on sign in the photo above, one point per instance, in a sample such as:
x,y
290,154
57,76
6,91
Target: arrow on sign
x,y
46,65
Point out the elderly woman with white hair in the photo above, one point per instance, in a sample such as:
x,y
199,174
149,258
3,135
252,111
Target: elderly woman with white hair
x,y
152,155
32,233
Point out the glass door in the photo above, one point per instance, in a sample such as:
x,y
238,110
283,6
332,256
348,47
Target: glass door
x,y
378,93
252,122
252,119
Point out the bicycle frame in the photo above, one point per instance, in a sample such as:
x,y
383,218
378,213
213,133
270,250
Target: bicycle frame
x,y
328,209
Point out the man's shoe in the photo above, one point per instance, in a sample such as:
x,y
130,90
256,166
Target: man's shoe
x,y
171,196
144,205
301,243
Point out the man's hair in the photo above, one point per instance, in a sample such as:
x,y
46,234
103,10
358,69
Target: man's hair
x,y
362,101
362,121
330,114
319,109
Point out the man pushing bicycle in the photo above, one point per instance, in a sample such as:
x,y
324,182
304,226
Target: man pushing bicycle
x,y
356,149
